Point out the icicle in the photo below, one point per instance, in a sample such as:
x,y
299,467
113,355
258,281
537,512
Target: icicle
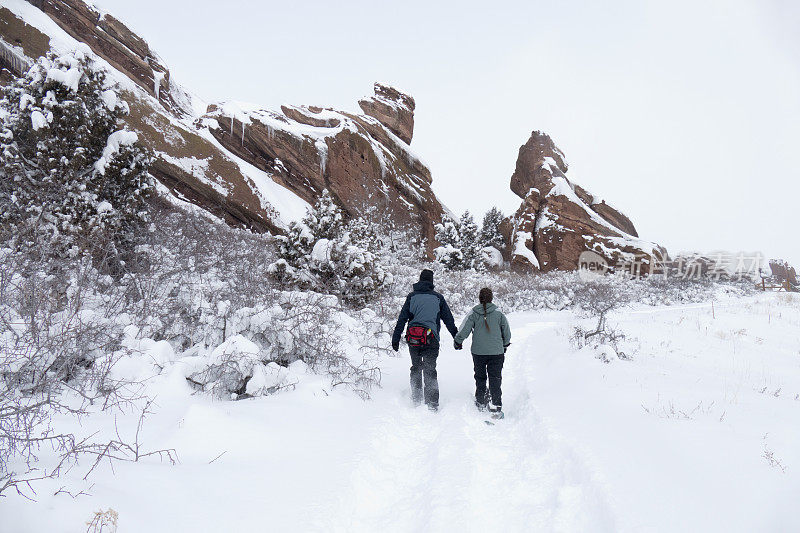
x,y
322,150
157,77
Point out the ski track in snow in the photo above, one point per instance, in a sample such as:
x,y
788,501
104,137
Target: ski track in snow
x,y
449,471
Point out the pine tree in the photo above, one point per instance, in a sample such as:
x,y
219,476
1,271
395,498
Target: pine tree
x,y
325,220
490,230
447,232
323,253
470,246
449,252
66,167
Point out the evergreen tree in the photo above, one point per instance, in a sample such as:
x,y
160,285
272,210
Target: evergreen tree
x,y
325,220
490,230
364,231
470,246
323,253
66,167
449,252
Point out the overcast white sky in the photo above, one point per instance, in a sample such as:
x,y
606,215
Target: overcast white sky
x,y
683,114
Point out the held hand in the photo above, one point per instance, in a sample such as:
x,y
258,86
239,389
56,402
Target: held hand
x,y
456,345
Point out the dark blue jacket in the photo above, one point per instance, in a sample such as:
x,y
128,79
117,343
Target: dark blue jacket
x,y
424,307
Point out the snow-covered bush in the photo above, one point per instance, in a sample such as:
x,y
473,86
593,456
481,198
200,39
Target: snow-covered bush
x,y
201,283
59,342
67,168
556,290
235,368
270,346
195,295
324,254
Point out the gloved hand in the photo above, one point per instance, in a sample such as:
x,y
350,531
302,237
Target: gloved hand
x,y
505,347
395,346
457,346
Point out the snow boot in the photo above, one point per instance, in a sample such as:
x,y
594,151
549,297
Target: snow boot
x,y
497,411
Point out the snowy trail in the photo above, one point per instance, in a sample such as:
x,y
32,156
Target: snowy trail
x,y
449,471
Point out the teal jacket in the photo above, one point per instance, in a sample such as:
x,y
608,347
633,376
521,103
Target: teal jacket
x,y
485,341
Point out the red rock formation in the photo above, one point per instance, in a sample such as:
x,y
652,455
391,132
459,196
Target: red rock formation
x,y
361,159
356,157
558,219
393,109
113,41
782,271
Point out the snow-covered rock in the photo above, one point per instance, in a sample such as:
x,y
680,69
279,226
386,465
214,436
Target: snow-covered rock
x,y
393,109
360,159
559,220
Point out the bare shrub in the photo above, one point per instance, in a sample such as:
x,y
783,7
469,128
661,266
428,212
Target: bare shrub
x,y
596,299
103,521
60,329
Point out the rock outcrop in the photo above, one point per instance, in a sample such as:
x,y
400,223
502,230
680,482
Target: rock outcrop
x,y
558,219
393,109
251,167
783,272
358,158
116,43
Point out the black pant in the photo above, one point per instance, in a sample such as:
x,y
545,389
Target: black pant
x,y
423,365
493,366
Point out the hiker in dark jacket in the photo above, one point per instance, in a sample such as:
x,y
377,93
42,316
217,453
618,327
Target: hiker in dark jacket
x,y
424,309
491,336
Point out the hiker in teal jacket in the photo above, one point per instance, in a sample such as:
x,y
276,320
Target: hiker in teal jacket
x,y
491,336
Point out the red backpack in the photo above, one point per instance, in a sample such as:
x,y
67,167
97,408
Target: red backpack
x,y
418,336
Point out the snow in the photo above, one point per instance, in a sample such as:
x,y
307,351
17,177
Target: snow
x,y
523,251
109,97
492,257
322,250
69,78
113,144
678,435
677,439
38,120
550,163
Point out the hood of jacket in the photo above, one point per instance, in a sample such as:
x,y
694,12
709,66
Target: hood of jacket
x,y
490,307
423,286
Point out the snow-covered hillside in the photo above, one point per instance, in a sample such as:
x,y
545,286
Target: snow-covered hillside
x,y
698,431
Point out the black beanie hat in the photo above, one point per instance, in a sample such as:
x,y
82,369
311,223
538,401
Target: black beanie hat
x,y
426,275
